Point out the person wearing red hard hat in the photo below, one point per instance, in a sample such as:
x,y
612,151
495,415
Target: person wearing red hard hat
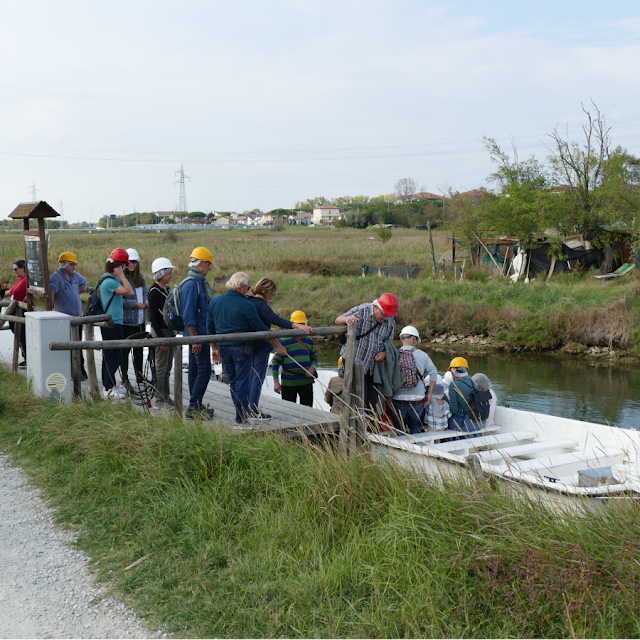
x,y
375,322
112,287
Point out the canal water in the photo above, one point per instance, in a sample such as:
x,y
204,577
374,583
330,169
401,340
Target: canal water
x,y
580,388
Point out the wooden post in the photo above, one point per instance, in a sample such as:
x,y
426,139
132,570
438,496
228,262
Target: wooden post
x,y
91,363
349,360
551,269
17,332
45,264
76,364
357,403
434,266
177,381
453,248
25,228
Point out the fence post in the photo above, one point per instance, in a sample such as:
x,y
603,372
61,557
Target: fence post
x,y
91,363
17,331
357,404
76,364
177,381
349,359
434,267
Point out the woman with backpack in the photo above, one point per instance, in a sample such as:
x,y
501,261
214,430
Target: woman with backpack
x,y
413,396
162,273
484,384
134,315
113,286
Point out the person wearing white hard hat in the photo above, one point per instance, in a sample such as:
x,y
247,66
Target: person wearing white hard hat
x,y
162,270
134,314
412,397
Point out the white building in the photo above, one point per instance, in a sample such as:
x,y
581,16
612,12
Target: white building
x,y
326,214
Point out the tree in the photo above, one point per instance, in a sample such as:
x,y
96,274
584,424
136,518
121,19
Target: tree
x,y
405,188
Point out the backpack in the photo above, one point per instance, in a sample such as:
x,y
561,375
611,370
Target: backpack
x,y
172,309
409,369
479,402
94,305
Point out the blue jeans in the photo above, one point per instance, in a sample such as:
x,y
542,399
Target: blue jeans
x,y
408,412
258,372
199,375
238,368
460,422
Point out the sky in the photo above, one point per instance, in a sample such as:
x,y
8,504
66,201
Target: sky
x,y
269,103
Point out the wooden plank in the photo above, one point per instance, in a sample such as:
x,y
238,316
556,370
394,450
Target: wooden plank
x,y
18,329
429,437
357,421
349,359
566,463
472,445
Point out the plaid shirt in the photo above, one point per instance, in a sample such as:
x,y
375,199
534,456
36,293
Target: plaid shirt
x,y
437,415
371,344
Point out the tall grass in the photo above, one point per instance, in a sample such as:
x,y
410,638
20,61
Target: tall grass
x,y
264,537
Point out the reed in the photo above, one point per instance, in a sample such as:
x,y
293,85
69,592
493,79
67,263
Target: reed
x,y
264,537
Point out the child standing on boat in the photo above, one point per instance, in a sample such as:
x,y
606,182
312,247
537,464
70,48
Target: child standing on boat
x,y
437,413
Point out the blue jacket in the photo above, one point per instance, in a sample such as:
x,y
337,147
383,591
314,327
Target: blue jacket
x,y
269,317
194,306
129,311
232,313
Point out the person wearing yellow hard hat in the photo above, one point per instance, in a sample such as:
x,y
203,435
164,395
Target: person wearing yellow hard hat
x,y
462,392
66,285
195,295
263,293
297,368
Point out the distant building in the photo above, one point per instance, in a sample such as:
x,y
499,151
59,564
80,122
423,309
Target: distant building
x,y
164,214
422,195
301,217
475,194
326,214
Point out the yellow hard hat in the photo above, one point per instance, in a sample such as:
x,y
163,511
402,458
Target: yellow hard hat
x,y
458,362
200,253
67,256
339,362
299,317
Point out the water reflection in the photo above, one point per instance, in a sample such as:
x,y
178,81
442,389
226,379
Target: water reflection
x,y
576,388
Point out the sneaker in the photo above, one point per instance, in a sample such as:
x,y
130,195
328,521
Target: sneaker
x,y
121,390
113,394
23,364
204,413
242,426
260,417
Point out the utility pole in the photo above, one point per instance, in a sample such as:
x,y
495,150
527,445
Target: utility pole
x,y
62,215
182,199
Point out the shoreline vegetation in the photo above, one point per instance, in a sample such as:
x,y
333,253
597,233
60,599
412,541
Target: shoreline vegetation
x,y
209,533
319,270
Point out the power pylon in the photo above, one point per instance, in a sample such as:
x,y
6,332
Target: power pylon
x,y
32,192
182,200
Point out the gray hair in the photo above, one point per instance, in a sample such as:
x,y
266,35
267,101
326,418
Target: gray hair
x,y
195,263
237,280
64,264
161,273
482,381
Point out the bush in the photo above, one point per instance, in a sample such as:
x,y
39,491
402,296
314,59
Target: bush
x,y
384,234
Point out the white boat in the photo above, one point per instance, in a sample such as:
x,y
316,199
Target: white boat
x,y
552,457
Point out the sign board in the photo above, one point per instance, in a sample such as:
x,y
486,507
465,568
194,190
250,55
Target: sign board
x,y
112,216
575,242
34,262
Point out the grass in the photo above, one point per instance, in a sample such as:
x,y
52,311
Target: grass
x,y
318,270
263,537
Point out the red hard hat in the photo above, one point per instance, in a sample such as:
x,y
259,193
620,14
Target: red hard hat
x,y
119,255
389,304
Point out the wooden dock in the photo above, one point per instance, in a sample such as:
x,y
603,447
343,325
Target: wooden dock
x,y
288,418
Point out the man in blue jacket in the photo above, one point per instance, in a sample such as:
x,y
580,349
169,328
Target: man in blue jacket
x,y
233,313
195,295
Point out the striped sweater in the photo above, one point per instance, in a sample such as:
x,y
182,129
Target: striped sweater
x,y
292,374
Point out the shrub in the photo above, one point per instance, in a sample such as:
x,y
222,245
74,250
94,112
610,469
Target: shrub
x,y
384,234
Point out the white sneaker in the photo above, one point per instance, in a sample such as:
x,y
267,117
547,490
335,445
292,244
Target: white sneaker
x,y
121,390
113,394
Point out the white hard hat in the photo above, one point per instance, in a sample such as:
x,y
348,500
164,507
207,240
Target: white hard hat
x,y
410,331
160,263
133,254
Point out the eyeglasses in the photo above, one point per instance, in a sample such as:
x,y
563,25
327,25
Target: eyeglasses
x,y
134,261
17,268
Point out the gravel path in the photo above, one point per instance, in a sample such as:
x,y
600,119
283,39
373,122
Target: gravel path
x,y
46,590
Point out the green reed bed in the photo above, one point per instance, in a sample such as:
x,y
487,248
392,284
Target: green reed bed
x,y
264,537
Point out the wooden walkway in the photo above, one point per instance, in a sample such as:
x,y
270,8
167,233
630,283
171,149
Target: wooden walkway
x,y
288,418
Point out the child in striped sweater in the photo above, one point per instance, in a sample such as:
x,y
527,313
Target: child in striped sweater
x,y
301,354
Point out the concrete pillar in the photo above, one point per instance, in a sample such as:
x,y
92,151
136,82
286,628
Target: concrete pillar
x,y
49,371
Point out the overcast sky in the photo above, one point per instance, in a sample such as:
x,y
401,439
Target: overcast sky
x,y
270,102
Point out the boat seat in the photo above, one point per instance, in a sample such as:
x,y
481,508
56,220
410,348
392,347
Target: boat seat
x,y
569,463
492,440
524,451
429,437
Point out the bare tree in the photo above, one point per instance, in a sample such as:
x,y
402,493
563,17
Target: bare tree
x,y
405,188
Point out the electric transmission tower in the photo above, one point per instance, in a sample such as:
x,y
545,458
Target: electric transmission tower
x,y
32,192
182,200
